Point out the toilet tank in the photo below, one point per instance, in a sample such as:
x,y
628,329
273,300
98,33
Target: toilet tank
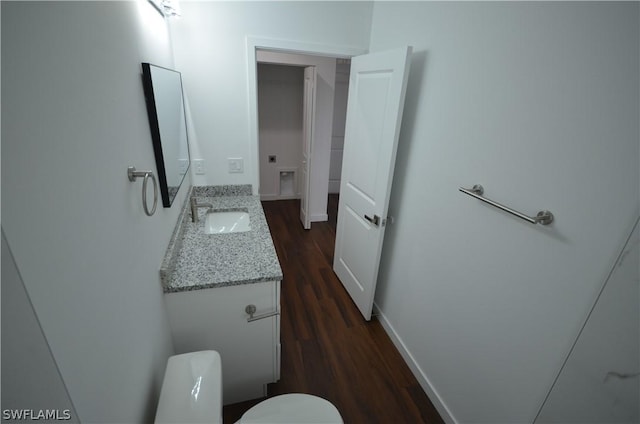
x,y
192,389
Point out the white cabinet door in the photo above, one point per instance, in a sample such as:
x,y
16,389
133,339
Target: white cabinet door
x,y
215,319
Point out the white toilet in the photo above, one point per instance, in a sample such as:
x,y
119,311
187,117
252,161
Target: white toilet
x,y
192,393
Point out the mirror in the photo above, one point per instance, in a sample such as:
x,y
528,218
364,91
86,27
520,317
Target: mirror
x,y
165,107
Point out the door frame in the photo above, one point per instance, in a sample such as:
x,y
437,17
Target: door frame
x,y
308,129
283,46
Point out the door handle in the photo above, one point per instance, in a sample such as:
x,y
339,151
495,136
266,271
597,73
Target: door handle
x,y
375,220
251,310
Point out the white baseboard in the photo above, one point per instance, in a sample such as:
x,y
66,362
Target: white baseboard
x,y
437,401
321,217
268,197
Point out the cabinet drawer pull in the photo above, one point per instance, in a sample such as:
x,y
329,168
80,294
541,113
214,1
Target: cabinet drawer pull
x,y
251,309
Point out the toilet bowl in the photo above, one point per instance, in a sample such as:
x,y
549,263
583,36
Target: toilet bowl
x,y
192,393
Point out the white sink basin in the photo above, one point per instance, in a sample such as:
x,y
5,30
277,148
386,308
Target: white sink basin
x,y
224,222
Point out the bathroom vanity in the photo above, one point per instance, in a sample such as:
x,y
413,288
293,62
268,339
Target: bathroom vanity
x,y
209,280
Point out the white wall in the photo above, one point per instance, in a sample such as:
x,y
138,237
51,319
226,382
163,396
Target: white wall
x,y
210,42
74,118
280,94
343,67
30,377
539,103
599,381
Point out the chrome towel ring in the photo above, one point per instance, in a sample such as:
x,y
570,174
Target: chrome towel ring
x,y
133,174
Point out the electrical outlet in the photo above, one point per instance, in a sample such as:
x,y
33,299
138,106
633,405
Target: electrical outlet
x,y
198,165
236,165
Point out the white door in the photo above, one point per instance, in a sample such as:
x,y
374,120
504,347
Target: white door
x,y
308,114
377,88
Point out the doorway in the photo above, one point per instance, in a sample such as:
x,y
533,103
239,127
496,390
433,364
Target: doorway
x,y
286,121
280,130
326,150
285,124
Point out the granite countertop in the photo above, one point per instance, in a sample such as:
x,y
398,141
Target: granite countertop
x,y
195,260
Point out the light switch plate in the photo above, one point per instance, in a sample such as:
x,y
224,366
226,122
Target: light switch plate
x,y
236,165
198,166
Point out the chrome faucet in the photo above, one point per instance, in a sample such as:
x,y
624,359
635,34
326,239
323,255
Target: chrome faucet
x,y
194,208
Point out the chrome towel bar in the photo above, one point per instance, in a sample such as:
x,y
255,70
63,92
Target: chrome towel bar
x,y
133,175
543,217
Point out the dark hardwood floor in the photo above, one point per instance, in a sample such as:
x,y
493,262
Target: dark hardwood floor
x,y
328,349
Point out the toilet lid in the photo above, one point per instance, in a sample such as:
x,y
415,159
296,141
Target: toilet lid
x,y
292,408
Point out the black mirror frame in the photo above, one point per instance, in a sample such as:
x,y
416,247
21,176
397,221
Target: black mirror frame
x,y
154,125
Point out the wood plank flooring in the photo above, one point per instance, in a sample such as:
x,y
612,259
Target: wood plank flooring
x,y
328,349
